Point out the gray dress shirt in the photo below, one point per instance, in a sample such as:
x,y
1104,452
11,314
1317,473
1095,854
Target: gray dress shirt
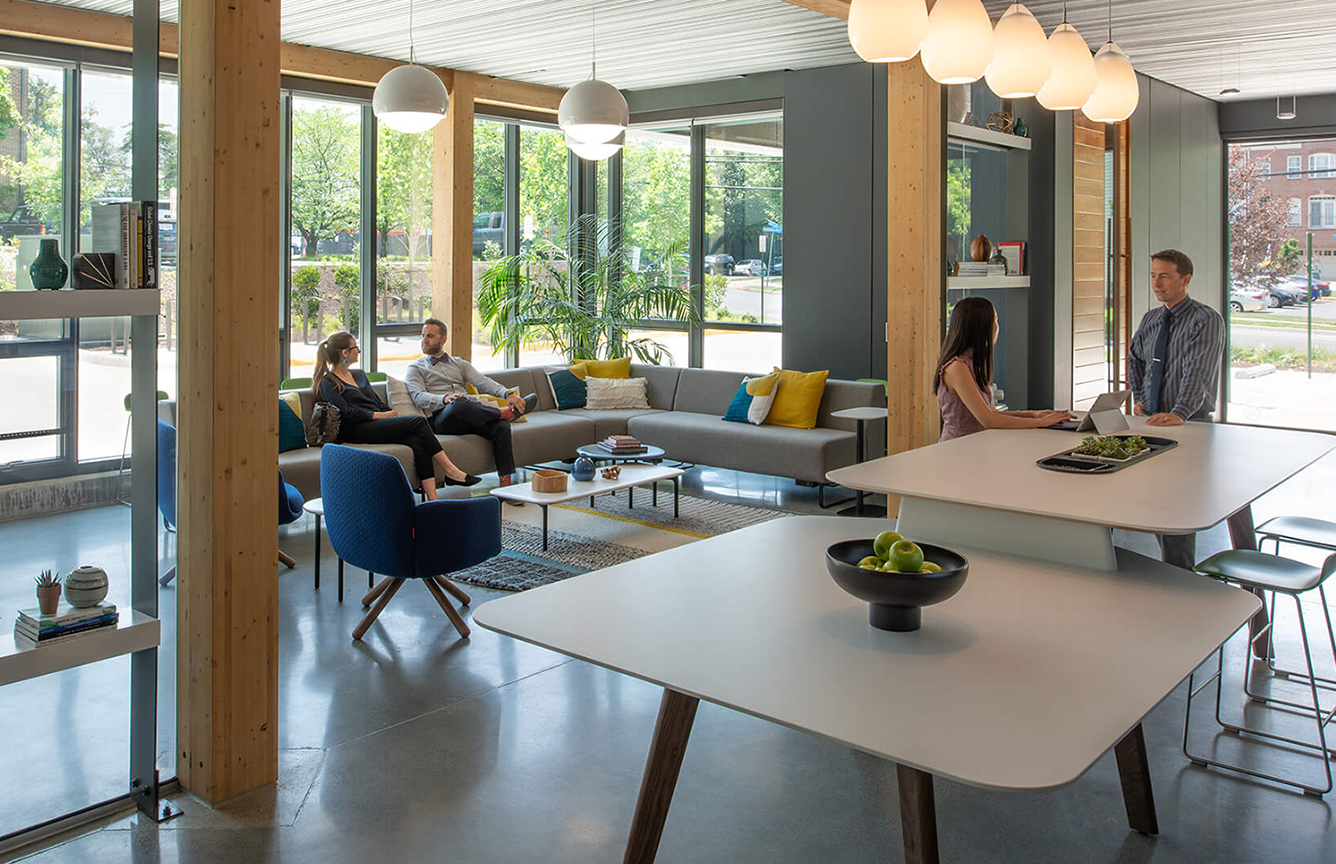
x,y
430,383
1192,367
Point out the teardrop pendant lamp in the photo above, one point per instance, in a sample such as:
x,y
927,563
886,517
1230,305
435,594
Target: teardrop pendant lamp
x,y
412,98
1116,89
594,112
887,31
1021,63
959,44
1073,77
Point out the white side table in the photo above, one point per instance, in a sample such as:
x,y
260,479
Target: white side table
x,y
860,416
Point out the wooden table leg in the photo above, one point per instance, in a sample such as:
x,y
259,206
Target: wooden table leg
x,y
1243,535
677,711
1180,550
918,815
1134,773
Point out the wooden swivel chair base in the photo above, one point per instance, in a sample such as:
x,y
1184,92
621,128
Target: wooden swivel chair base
x,y
386,588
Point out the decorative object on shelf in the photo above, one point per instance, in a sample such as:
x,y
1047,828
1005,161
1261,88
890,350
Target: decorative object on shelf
x,y
1001,121
549,480
981,248
612,472
1019,128
887,31
94,270
1116,90
593,114
960,104
412,98
959,43
1013,252
48,592
952,264
1021,63
1073,77
48,270
583,469
85,586
998,259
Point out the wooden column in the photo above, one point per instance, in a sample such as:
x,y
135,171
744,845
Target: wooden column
x,y
452,219
914,181
227,477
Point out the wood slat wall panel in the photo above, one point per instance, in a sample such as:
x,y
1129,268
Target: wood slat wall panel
x,y
1088,257
1088,306
1090,272
1088,338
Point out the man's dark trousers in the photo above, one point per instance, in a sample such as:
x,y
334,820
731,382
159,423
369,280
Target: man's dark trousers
x,y
467,417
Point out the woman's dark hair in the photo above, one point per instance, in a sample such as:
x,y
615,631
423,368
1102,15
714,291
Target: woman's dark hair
x,y
969,333
327,356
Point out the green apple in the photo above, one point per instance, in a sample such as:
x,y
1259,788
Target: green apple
x,y
929,567
882,545
906,556
871,562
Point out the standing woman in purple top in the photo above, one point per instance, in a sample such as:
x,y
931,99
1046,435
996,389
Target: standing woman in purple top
x,y
964,378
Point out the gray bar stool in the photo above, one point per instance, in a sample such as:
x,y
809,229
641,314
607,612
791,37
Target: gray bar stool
x,y
1301,531
1277,575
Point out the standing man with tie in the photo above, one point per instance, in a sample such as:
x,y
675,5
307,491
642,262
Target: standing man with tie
x,y
1175,359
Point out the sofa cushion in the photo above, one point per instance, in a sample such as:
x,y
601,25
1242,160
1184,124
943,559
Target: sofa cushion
x,y
568,387
301,468
291,429
609,393
797,398
706,391
611,421
660,383
519,380
803,454
400,400
547,437
618,368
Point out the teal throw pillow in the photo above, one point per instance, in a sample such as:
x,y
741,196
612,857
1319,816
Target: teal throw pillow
x,y
291,430
737,409
568,390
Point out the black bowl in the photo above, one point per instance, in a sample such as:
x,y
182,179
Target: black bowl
x,y
896,599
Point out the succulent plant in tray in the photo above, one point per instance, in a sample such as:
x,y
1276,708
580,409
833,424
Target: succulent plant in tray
x,y
1120,447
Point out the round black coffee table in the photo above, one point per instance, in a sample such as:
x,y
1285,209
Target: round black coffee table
x,y
652,454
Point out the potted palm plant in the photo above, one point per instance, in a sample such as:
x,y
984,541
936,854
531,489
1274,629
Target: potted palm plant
x,y
585,298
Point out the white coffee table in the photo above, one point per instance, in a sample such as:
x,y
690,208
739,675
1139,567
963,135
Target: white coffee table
x,y
631,475
1021,681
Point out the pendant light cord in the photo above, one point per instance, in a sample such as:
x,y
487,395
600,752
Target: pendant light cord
x,y
593,41
1110,20
412,54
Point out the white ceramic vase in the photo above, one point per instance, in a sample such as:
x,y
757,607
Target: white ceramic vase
x,y
85,586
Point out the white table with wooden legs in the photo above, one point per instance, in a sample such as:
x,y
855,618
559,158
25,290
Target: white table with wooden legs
x,y
1021,681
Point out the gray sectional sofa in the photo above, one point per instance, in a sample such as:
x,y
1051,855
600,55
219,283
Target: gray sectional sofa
x,y
684,418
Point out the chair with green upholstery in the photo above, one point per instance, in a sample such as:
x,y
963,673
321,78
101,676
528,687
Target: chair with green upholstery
x,y
1272,575
295,384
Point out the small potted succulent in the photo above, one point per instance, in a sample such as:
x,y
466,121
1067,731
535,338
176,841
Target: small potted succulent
x,y
48,592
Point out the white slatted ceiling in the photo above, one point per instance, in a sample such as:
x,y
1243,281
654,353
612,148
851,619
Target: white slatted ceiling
x,y
1265,49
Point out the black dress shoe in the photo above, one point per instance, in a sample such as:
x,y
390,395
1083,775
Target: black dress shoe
x,y
530,402
469,480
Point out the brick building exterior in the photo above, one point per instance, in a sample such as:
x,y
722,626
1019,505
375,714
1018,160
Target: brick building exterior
x,y
1304,173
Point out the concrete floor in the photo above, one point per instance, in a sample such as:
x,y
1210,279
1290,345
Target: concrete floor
x,y
413,746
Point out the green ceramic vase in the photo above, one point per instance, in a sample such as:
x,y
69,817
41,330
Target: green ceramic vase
x,y
48,270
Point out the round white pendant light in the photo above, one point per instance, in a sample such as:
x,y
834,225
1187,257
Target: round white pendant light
x,y
1073,77
1021,63
887,31
1116,90
596,152
959,44
593,112
410,99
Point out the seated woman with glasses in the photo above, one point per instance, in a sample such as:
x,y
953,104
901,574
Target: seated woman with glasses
x,y
366,419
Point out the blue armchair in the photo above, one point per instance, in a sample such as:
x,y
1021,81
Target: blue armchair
x,y
373,522
289,499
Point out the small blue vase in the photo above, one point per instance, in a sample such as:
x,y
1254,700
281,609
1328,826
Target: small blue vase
x,y
583,469
48,270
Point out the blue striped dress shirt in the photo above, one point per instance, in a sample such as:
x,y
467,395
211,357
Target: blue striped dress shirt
x,y
1192,367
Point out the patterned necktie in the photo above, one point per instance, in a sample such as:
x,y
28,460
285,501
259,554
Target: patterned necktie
x,y
1160,357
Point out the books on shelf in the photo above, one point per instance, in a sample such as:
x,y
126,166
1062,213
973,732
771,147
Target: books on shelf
x,y
67,623
980,268
65,614
129,230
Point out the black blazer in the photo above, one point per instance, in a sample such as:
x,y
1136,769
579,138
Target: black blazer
x,y
355,404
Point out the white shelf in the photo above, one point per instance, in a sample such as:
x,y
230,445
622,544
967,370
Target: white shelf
x,y
953,282
987,136
19,661
68,303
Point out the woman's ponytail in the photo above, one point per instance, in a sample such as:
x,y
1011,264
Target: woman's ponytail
x,y
327,356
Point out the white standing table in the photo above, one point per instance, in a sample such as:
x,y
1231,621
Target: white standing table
x,y
1021,681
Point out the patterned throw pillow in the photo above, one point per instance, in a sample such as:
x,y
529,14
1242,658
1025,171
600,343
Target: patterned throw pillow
x,y
605,393
291,429
568,390
752,402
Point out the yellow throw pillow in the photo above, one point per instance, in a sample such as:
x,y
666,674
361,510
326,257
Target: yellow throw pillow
x,y
797,399
619,368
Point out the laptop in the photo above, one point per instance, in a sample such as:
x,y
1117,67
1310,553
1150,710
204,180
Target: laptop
x,y
1105,415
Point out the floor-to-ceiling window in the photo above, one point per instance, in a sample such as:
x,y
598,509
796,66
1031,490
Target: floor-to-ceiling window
x,y
544,197
403,245
1282,339
744,243
490,228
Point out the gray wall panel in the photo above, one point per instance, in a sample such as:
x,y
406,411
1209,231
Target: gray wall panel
x,y
1257,118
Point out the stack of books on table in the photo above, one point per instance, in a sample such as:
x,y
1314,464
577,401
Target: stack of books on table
x,y
980,268
622,445
68,623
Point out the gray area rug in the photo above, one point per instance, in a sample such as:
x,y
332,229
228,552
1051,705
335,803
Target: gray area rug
x,y
524,564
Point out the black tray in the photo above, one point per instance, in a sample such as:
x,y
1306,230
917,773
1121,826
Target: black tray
x,y
1072,463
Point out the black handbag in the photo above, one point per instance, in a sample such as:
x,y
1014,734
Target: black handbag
x,y
323,427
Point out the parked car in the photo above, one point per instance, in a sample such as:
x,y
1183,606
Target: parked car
x,y
488,227
719,263
1300,284
1284,294
1249,299
23,221
751,267
342,243
777,267
295,241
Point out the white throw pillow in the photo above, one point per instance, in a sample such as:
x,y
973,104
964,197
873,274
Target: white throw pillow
x,y
400,400
603,393
760,406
